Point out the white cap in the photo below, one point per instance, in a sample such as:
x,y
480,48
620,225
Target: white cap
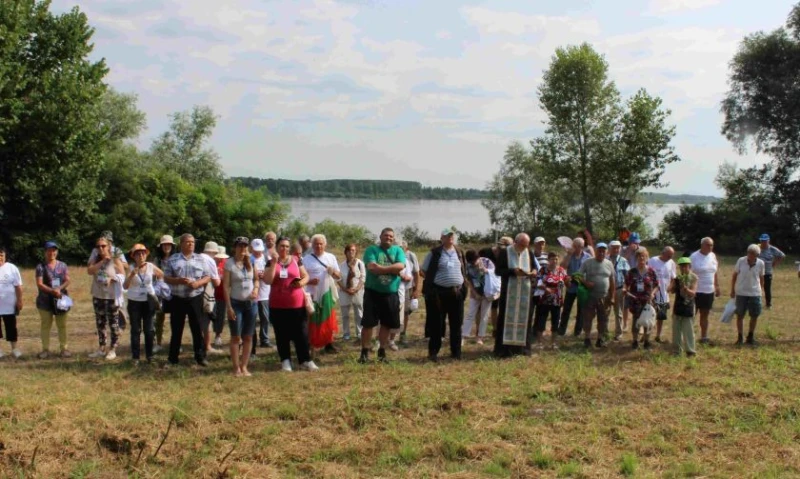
x,y
257,245
539,239
211,247
614,243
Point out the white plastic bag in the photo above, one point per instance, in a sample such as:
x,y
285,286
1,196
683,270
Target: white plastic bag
x,y
727,313
63,304
647,319
413,305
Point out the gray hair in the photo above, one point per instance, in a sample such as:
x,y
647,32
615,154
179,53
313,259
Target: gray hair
x,y
578,242
754,248
321,237
404,244
521,236
185,237
707,240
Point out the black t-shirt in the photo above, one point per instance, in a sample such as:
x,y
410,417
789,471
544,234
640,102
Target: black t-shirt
x,y
683,306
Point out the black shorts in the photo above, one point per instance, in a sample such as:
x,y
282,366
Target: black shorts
x,y
704,300
381,308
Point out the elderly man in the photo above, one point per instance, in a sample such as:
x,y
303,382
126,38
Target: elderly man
x,y
772,257
621,268
270,240
305,245
518,270
503,243
666,270
188,273
599,277
747,285
572,263
444,272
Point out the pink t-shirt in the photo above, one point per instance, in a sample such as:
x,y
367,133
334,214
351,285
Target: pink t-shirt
x,y
283,295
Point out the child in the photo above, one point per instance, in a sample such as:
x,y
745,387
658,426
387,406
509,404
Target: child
x,y
684,286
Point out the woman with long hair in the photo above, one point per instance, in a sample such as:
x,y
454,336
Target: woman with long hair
x,y
107,272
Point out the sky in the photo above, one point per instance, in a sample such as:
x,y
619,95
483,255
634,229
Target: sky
x,y
424,90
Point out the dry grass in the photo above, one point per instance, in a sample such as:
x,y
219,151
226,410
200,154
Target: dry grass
x,y
728,413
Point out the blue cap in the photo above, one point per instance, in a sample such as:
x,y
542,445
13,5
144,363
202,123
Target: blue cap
x,y
635,238
763,237
50,244
601,245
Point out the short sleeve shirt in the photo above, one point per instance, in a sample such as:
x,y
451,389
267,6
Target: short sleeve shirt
x,y
768,256
49,277
195,267
599,273
241,280
748,279
383,283
141,284
317,268
10,279
261,265
666,272
705,267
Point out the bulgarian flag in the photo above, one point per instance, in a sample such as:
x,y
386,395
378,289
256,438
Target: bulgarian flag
x,y
323,323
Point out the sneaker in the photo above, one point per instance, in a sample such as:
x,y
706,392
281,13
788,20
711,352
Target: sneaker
x,y
112,355
393,346
479,342
309,366
364,358
157,348
16,353
554,346
267,345
705,341
587,343
618,337
433,358
690,354
286,365
218,341
635,345
647,345
382,356
346,337
65,353
98,354
42,355
402,338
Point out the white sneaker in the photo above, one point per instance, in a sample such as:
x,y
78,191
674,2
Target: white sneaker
x,y
111,355
218,341
393,346
309,366
97,354
157,349
286,365
215,352
16,353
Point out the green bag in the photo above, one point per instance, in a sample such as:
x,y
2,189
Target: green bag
x,y
582,295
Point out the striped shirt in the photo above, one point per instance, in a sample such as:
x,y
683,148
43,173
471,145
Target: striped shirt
x,y
448,275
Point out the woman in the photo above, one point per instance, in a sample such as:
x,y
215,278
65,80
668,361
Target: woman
x,y
52,280
287,277
478,269
684,286
141,300
351,285
554,279
10,301
165,248
641,285
323,272
705,266
240,287
105,270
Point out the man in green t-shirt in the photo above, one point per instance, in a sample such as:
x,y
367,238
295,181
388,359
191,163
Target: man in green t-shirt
x,y
381,302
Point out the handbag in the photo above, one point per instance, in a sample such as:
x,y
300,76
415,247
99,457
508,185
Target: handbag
x,y
647,319
209,301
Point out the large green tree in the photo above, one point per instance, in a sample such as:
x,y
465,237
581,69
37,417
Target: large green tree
x,y
52,138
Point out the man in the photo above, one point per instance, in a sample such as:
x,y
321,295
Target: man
x,y
518,270
412,289
501,245
634,245
621,268
259,257
747,285
187,273
772,257
572,263
666,270
444,273
270,240
305,245
115,252
599,277
381,308
217,324
540,250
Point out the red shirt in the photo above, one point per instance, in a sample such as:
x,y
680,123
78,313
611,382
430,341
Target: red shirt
x,y
221,271
283,295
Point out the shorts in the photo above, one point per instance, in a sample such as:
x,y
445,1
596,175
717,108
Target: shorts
x,y
704,301
751,304
245,324
381,309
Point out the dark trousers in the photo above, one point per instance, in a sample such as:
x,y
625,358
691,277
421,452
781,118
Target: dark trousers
x,y
569,299
440,304
141,317
768,289
542,311
198,323
291,326
262,332
10,322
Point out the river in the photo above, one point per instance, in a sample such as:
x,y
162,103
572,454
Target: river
x,y
430,215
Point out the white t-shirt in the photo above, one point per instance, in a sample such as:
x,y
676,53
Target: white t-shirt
x,y
318,269
705,267
9,280
141,284
261,265
665,272
748,281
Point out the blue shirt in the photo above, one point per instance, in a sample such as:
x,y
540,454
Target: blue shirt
x,y
573,267
768,255
195,267
621,266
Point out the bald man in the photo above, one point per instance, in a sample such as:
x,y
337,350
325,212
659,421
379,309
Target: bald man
x,y
518,270
666,270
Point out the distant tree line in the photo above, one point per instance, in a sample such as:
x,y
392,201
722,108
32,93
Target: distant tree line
x,y
366,189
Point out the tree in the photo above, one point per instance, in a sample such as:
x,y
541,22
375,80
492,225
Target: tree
x,y
51,138
183,150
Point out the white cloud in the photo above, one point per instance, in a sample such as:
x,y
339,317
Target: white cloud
x,y
672,6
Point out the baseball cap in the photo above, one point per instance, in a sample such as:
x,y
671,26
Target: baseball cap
x,y
614,243
50,244
763,237
448,231
211,247
601,245
684,260
539,239
257,245
634,238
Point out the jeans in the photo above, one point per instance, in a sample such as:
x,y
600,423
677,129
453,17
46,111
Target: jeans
x,y
263,331
47,318
569,299
768,289
440,304
141,316
193,308
291,326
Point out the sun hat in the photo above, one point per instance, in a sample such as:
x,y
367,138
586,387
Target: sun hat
x,y
222,254
601,246
634,238
614,243
139,247
763,237
448,231
257,245
50,244
539,239
211,247
167,239
684,260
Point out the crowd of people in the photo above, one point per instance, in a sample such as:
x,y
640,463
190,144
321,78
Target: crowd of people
x,y
306,294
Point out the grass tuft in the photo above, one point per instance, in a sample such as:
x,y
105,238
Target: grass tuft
x,y
628,465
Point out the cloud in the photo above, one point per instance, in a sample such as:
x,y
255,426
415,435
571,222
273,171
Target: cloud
x,y
673,6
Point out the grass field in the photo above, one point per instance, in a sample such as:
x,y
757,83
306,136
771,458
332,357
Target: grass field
x,y
614,413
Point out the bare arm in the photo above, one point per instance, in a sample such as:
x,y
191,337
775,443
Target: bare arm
x,y
303,278
733,284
